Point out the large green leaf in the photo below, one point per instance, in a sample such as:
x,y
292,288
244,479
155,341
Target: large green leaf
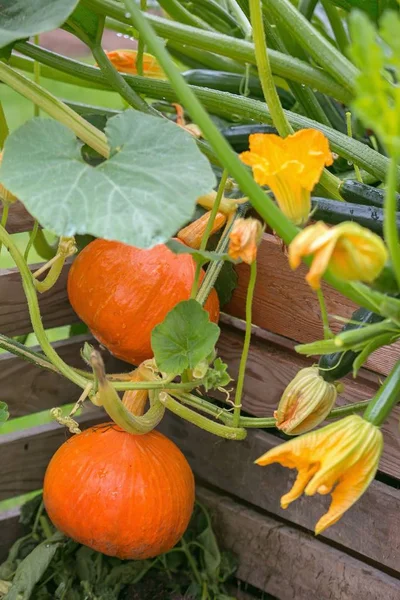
x,y
23,18
374,8
142,195
184,339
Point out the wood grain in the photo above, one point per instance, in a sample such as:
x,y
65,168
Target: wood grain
x,y
271,367
28,389
291,564
18,218
10,530
371,528
285,304
14,315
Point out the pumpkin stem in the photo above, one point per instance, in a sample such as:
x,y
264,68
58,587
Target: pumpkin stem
x,y
109,399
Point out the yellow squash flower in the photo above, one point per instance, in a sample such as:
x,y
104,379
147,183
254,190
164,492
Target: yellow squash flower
x,y
290,167
352,252
340,459
305,403
244,239
125,62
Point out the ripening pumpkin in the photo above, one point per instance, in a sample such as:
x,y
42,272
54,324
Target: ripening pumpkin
x,y
125,495
122,292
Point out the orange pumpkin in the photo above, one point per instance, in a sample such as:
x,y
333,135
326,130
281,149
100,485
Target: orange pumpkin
x,y
122,292
125,495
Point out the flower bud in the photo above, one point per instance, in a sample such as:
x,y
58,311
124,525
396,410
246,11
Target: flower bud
x,y
305,403
193,233
244,239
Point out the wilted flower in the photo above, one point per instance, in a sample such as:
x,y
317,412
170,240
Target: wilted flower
x,y
244,239
125,62
193,233
351,252
305,403
340,459
290,166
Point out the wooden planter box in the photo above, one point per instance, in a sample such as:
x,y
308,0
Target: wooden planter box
x,y
357,558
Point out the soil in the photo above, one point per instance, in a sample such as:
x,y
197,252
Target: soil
x,y
152,589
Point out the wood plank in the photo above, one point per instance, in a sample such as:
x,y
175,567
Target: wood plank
x,y
10,530
291,564
18,218
285,304
28,452
271,367
27,389
371,528
54,305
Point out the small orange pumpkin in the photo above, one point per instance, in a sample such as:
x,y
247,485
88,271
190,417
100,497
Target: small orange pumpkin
x,y
125,495
122,292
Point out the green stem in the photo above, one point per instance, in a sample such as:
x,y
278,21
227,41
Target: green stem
x,y
338,29
117,82
386,398
319,48
109,399
179,13
25,353
241,18
52,276
55,108
324,315
224,431
307,7
141,45
191,561
34,312
282,65
207,231
246,345
36,76
350,134
32,237
3,127
389,224
265,72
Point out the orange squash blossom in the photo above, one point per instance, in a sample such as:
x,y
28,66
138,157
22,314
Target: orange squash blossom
x,y
340,459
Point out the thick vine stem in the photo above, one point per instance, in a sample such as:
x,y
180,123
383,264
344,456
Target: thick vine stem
x,y
389,224
224,431
109,399
55,108
34,311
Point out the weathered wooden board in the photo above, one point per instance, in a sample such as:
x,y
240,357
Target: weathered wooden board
x,y
14,314
271,367
18,218
291,564
10,530
285,304
371,528
27,389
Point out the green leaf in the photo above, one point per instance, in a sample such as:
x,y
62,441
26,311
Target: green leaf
x,y
377,100
142,195
184,338
21,19
31,569
4,414
212,556
86,25
218,376
226,283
